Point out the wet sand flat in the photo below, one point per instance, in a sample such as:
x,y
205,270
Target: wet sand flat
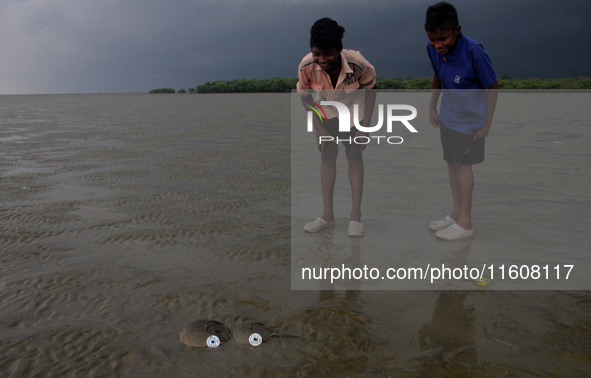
x,y
125,217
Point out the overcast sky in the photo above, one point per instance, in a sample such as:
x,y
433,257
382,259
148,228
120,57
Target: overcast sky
x,y
88,46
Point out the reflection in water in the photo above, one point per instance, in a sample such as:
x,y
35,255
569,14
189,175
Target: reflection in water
x,y
337,320
458,259
451,330
324,246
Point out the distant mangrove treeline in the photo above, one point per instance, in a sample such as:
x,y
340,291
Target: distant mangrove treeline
x,y
281,84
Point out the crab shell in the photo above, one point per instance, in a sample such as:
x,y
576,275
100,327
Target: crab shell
x,y
251,334
203,333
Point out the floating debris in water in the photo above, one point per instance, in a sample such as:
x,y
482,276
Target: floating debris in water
x,y
482,281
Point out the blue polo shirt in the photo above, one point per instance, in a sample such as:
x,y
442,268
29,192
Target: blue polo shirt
x,y
465,72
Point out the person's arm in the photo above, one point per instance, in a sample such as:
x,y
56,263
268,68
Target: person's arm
x,y
318,128
303,87
321,132
369,104
305,91
367,83
491,103
435,92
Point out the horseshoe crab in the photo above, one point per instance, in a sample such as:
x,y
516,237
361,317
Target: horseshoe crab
x,y
254,333
251,334
204,333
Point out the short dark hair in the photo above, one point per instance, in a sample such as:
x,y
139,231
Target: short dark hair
x,y
441,16
325,34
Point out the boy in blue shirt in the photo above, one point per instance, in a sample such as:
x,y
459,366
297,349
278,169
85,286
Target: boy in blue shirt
x,y
463,71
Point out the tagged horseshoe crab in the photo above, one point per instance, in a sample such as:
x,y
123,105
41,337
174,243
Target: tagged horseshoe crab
x,y
254,333
204,333
251,334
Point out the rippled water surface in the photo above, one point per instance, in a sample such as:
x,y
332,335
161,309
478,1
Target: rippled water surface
x,y
125,217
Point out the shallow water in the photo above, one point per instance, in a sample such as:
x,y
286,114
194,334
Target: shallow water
x,y
125,217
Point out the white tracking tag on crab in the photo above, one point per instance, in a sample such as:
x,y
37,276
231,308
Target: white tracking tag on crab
x,y
255,339
213,341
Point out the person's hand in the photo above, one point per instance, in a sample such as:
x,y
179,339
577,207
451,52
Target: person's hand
x,y
321,132
358,134
434,118
481,132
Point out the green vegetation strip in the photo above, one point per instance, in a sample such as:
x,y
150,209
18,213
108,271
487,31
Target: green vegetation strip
x,y
281,84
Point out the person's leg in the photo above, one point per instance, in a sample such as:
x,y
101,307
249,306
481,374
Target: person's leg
x,y
454,184
448,142
460,152
461,181
465,182
356,172
328,174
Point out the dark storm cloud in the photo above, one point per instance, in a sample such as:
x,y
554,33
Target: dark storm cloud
x,y
64,46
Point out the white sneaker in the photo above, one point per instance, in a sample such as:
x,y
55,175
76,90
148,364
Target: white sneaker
x,y
441,224
454,232
316,225
356,228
